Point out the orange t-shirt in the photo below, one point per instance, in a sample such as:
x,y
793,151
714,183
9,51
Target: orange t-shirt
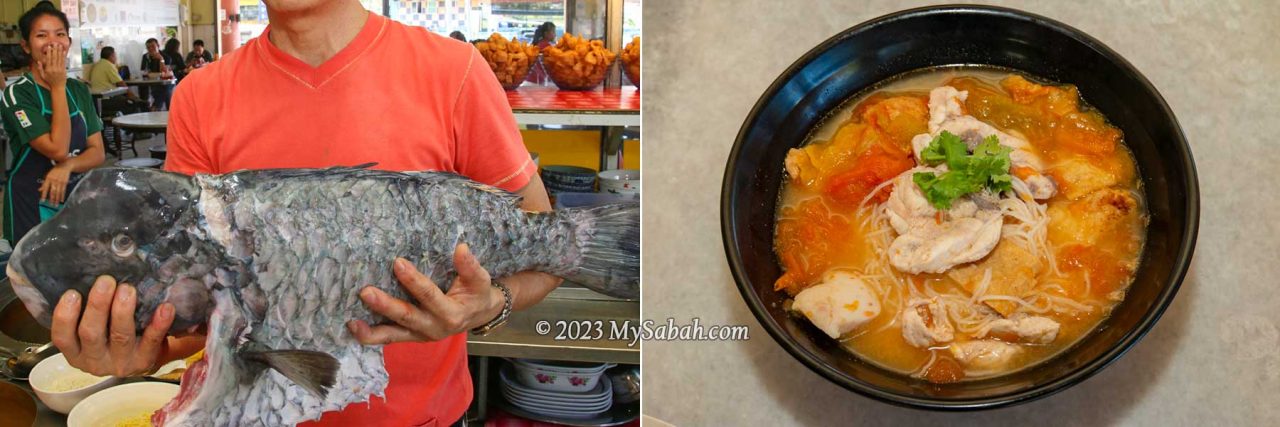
x,y
398,96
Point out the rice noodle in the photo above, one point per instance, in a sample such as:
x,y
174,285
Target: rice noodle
x,y
877,189
1070,303
924,370
1033,227
981,289
966,311
1021,302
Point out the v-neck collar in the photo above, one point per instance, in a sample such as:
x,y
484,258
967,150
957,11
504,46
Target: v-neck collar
x,y
315,77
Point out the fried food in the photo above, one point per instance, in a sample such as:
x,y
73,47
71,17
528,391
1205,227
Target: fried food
x,y
577,63
630,57
509,59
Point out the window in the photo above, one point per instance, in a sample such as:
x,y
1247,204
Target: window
x,y
477,19
253,19
631,13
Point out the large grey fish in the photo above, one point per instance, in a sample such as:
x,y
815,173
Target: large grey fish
x,y
272,262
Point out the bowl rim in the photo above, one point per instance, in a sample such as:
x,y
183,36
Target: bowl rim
x,y
67,365
1164,298
123,388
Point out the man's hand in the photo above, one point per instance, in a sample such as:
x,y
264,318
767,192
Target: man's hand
x,y
54,188
472,301
91,347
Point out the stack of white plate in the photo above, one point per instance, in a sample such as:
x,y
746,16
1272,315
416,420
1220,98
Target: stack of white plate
x,y
557,404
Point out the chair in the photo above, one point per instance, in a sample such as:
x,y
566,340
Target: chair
x,y
113,136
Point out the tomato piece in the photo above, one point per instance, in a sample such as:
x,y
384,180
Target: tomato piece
x,y
807,240
944,370
898,119
869,171
1107,272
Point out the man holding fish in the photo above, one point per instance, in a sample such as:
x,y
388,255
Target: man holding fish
x,y
327,84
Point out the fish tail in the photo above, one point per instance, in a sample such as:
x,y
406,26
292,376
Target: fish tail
x,y
609,242
315,371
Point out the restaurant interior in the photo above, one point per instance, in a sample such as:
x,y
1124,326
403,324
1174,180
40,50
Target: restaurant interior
x,y
584,134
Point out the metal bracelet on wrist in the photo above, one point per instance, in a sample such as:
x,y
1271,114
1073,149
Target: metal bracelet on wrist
x,y
502,316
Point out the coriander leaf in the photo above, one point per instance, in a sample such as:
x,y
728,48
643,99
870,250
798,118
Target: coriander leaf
x,y
1001,183
987,167
924,179
945,147
990,146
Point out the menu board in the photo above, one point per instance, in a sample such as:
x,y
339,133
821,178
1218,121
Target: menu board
x,y
72,9
128,13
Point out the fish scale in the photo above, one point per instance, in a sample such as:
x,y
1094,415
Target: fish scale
x,y
291,211
272,261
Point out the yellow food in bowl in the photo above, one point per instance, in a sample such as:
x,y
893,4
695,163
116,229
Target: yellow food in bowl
x,y
140,420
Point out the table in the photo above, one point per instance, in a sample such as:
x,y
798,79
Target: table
x,y
156,121
109,93
99,95
150,82
1211,359
547,105
610,108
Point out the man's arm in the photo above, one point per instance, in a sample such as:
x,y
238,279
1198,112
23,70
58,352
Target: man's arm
x,y
114,77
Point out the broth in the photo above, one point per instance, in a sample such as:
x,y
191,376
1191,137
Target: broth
x,y
1067,258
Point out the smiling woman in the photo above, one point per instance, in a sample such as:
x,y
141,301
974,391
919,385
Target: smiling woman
x,y
53,129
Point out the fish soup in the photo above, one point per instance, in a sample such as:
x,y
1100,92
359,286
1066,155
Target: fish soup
x,y
960,223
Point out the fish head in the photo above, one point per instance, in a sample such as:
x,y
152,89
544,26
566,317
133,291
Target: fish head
x,y
132,224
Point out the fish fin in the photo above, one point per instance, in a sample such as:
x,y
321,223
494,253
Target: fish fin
x,y
609,238
313,370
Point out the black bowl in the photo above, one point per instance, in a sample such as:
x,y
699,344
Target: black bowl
x,y
871,52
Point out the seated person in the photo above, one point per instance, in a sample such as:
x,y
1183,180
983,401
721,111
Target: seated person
x,y
104,75
173,57
198,55
155,65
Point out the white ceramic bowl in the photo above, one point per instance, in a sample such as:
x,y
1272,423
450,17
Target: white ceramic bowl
x,y
620,181
565,367
121,403
52,380
569,377
601,394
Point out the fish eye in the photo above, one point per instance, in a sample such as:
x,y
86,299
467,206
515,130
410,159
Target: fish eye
x,y
122,245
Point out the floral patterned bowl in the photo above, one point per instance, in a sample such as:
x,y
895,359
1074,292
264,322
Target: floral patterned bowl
x,y
559,376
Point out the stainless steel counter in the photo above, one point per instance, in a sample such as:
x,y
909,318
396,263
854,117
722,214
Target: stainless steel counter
x,y
586,309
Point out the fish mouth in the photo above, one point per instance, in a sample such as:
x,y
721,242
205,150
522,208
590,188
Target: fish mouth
x,y
30,296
